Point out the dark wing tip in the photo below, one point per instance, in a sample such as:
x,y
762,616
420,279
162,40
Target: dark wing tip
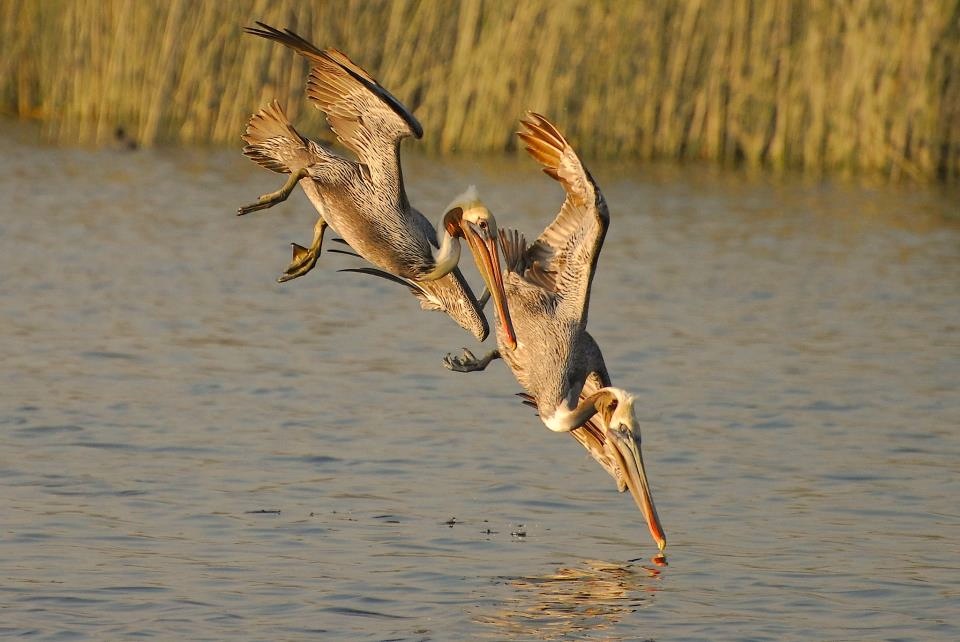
x,y
347,252
286,37
303,46
527,399
263,30
412,285
359,74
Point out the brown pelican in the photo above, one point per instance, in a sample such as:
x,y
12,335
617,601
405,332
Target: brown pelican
x,y
364,200
556,360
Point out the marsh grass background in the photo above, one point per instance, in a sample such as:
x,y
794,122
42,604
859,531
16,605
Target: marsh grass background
x,y
855,86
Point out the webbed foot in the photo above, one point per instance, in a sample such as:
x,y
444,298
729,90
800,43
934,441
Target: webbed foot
x,y
469,362
304,259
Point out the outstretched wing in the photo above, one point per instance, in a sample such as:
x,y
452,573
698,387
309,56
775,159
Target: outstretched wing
x,y
272,142
564,257
359,110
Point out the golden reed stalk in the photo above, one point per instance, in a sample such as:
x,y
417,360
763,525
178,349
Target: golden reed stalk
x,y
853,86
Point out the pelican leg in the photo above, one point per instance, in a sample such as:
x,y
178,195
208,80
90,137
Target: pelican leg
x,y
482,301
304,259
468,362
271,199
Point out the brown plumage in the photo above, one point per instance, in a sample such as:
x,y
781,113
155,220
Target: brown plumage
x,y
556,361
363,200
273,143
548,281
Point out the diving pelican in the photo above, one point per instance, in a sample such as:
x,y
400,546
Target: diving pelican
x,y
556,361
364,201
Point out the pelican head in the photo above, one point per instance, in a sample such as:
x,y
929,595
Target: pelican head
x,y
468,218
622,445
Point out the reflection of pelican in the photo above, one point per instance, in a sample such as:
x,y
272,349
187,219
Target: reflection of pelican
x,y
591,598
556,360
364,200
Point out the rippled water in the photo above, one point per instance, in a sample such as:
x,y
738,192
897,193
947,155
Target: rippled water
x,y
190,450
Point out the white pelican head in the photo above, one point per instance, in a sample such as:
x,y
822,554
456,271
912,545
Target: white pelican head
x,y
468,218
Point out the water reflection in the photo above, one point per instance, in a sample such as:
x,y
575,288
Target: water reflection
x,y
593,597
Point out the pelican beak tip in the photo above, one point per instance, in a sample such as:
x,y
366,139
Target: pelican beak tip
x,y
631,460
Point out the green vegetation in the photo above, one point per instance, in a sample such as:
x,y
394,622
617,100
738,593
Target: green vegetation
x,y
853,86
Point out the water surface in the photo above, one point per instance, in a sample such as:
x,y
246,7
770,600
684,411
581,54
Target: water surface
x,y
191,450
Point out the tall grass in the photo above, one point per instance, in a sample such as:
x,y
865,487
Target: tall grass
x,y
858,86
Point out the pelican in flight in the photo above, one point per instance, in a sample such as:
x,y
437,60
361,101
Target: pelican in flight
x,y
556,361
364,200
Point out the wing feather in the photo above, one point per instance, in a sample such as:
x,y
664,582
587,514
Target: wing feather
x,y
564,257
450,294
514,246
272,142
359,110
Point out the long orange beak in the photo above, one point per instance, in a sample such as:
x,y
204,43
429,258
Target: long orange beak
x,y
486,254
627,451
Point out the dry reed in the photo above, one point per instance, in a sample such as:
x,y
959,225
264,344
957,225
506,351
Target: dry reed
x,y
856,86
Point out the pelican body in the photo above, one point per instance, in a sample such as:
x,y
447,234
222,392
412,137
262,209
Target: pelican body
x,y
364,200
556,361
